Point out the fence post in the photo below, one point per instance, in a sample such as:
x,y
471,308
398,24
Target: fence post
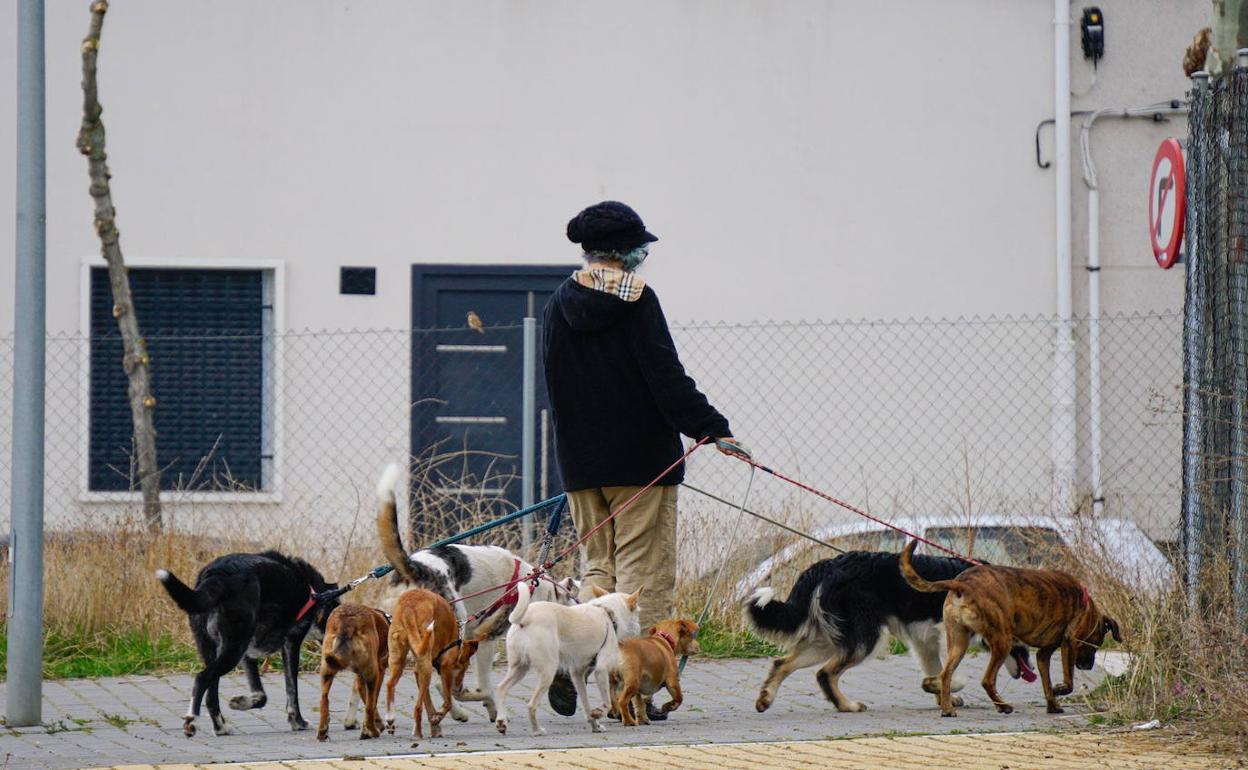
x,y
1237,305
1195,312
25,621
528,428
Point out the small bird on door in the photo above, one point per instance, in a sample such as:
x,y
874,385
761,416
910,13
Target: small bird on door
x,y
474,322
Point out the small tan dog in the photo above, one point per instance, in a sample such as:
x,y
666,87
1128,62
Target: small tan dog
x,y
357,640
424,625
647,663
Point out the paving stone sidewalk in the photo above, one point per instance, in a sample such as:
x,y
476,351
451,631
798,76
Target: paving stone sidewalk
x,y
1008,751
138,720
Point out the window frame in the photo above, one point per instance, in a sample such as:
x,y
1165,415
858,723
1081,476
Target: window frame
x,y
273,280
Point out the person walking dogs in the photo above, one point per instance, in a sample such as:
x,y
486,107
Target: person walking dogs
x,y
620,399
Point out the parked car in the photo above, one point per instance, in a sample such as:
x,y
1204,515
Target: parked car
x,y
1119,546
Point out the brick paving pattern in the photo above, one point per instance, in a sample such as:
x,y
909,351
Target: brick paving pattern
x,y
138,720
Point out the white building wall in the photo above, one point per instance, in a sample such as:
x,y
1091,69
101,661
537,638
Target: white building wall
x,y
799,159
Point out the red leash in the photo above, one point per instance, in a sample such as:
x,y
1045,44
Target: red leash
x,y
853,509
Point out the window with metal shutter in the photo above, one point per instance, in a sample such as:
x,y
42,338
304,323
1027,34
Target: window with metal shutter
x,y
204,330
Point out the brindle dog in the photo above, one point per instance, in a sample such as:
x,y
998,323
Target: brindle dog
x,y
1046,609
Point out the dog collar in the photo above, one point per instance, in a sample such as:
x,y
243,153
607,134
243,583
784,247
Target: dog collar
x,y
437,659
667,638
309,604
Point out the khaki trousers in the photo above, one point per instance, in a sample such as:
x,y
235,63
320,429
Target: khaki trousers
x,y
635,549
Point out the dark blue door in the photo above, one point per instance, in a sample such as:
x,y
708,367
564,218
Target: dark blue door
x,y
467,376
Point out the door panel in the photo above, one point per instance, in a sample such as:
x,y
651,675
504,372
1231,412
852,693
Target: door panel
x,y
467,384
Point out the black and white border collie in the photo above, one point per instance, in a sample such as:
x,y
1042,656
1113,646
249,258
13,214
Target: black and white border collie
x,y
453,571
836,615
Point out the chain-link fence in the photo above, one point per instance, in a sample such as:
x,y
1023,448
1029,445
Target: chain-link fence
x,y
1215,501
911,418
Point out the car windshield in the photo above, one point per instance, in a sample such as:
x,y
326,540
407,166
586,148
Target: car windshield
x,y
1007,546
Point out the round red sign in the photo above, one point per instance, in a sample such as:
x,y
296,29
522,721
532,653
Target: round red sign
x,y
1167,203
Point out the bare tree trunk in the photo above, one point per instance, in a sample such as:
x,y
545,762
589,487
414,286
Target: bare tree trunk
x,y
134,360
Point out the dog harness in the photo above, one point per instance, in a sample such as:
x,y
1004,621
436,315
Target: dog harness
x,y
513,594
309,604
667,638
437,659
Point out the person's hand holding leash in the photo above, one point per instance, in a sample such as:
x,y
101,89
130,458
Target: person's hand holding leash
x,y
730,446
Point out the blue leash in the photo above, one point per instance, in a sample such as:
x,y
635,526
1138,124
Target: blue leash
x,y
385,569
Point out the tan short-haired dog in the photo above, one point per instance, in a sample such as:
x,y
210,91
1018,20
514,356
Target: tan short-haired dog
x,y
424,625
1043,608
647,663
357,640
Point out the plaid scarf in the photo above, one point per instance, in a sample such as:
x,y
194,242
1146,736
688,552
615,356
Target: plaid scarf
x,y
618,283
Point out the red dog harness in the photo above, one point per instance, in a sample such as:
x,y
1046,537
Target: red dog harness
x,y
309,604
513,594
667,638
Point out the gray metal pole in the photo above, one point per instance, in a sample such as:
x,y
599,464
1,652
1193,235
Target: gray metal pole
x,y
1237,303
1195,314
528,426
25,621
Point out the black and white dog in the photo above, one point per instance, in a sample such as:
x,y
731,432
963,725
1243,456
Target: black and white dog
x,y
245,606
836,615
453,571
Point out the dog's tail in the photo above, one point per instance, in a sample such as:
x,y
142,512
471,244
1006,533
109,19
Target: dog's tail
x,y
388,523
783,620
192,601
915,580
522,603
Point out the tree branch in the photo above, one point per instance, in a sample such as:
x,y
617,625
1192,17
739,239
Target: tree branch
x,y
135,361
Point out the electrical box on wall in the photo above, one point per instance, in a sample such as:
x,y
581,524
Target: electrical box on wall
x,y
1092,29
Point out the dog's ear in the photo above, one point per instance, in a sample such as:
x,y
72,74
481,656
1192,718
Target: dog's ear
x,y
689,627
597,591
650,631
1111,626
634,597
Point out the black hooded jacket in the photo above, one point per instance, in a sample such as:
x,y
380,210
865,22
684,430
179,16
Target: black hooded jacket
x,y
619,393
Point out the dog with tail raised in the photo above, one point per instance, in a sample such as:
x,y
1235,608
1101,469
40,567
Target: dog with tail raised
x,y
452,571
836,615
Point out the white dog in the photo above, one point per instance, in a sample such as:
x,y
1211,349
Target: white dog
x,y
547,637
452,571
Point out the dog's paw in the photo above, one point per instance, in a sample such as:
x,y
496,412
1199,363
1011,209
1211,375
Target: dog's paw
x,y
188,726
1005,708
501,725
949,713
435,731
1053,708
297,723
763,703
223,727
853,707
322,735
248,702
931,685
539,731
458,714
390,726
957,701
350,724
1062,689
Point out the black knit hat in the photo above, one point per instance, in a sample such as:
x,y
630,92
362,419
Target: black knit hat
x,y
608,226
